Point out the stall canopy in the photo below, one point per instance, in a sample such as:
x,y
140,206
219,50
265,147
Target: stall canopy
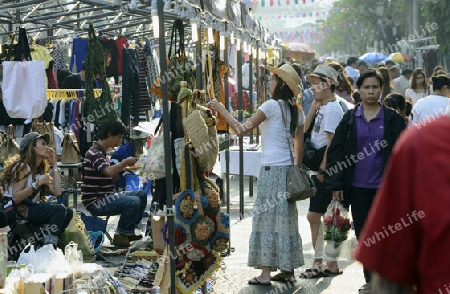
x,y
67,18
299,52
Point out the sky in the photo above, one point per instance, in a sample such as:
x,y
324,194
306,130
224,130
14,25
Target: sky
x,y
290,17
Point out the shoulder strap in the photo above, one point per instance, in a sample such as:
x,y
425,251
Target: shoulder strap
x,y
287,140
311,126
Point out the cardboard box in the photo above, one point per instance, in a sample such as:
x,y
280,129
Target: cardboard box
x,y
39,283
63,281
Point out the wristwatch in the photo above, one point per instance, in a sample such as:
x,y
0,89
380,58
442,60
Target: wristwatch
x,y
321,171
35,186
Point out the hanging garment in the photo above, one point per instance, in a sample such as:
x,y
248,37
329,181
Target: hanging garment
x,y
130,84
151,67
121,43
144,97
58,57
79,48
111,59
51,76
98,110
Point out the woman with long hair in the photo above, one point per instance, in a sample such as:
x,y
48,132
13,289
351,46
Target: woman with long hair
x,y
345,88
275,242
27,179
388,86
419,86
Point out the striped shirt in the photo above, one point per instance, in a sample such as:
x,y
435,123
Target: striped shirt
x,y
95,184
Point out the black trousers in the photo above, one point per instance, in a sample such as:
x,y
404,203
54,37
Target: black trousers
x,y
361,201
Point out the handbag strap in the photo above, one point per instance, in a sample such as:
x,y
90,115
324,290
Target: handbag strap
x,y
177,26
287,139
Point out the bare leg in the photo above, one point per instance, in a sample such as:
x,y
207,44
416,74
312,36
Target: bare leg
x,y
315,221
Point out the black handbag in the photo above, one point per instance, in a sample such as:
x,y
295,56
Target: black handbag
x,y
312,157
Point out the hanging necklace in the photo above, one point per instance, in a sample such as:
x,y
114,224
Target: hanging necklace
x,y
369,115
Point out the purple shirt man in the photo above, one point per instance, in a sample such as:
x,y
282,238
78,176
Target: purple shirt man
x,y
369,146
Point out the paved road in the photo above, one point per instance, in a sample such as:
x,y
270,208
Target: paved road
x,y
232,277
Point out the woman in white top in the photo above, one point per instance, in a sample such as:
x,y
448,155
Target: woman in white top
x,y
419,86
27,179
275,241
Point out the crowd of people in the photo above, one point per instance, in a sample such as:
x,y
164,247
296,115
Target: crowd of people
x,y
343,109
348,109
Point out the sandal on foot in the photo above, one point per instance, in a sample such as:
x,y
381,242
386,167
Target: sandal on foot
x,y
365,289
333,273
313,273
255,281
279,278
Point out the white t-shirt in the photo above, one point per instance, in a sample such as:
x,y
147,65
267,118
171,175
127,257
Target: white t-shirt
x,y
275,151
401,84
410,93
431,106
327,120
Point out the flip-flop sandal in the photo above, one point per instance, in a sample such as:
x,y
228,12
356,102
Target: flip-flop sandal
x,y
332,273
365,289
313,273
279,278
255,281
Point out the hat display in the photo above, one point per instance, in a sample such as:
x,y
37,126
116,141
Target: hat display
x,y
30,138
288,74
325,72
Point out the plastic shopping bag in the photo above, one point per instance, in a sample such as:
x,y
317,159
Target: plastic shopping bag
x,y
28,255
336,227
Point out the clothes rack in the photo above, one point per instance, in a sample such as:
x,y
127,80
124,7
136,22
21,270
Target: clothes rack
x,y
67,94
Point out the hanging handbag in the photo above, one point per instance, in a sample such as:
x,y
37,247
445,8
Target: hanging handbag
x,y
70,150
312,157
154,166
299,185
24,90
46,128
179,68
200,126
23,86
8,145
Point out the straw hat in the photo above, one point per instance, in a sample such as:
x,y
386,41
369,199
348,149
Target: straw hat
x,y
288,74
325,72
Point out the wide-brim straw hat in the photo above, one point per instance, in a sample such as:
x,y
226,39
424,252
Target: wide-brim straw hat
x,y
288,74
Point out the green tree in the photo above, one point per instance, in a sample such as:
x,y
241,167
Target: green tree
x,y
438,13
375,20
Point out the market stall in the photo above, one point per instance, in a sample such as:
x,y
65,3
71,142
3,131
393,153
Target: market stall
x,y
206,30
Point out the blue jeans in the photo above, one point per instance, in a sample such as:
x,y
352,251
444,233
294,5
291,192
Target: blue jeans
x,y
130,205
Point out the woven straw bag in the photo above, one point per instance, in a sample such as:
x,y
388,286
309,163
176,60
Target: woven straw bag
x,y
201,130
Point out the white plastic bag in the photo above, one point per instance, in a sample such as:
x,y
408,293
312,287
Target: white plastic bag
x,y
51,261
27,256
44,258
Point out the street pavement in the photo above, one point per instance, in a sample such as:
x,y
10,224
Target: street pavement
x,y
232,276
234,273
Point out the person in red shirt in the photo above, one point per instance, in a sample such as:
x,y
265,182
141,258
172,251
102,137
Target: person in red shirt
x,y
405,241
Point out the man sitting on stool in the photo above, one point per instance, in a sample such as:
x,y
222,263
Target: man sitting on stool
x,y
99,196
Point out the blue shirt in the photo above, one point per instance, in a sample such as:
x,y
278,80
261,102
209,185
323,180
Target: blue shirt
x,y
369,145
308,98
